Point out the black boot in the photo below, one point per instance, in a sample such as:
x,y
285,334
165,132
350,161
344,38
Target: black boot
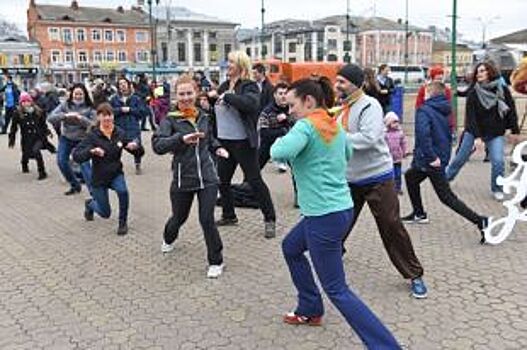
x,y
42,175
25,168
123,228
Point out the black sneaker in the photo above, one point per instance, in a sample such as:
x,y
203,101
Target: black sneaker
x,y
88,212
72,191
227,221
415,219
270,230
482,225
123,229
25,168
523,203
42,175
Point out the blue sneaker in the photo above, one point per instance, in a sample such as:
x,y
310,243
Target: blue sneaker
x,y
419,290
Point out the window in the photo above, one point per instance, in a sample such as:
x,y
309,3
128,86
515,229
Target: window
x,y
213,52
121,56
181,52
248,51
110,56
83,57
97,56
142,56
227,48
141,37
54,34
292,47
212,35
197,52
96,35
55,56
164,52
68,56
81,35
332,44
120,36
196,35
67,36
108,35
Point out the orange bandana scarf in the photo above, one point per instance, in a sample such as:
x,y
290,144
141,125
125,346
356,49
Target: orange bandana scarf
x,y
191,114
107,131
344,110
326,126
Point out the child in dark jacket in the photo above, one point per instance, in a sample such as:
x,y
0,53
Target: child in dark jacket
x,y
397,143
433,142
104,146
34,131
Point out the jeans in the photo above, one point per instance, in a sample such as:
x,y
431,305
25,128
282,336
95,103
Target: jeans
x,y
397,172
101,203
496,147
322,237
181,204
414,177
64,150
384,206
9,112
241,153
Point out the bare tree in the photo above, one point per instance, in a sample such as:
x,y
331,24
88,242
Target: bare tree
x,y
9,28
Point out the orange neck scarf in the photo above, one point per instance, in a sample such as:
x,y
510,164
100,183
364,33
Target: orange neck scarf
x,y
191,114
326,126
107,131
344,110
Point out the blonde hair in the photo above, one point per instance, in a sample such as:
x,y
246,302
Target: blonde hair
x,y
242,60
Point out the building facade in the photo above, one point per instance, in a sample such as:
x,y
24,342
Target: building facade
x,y
80,42
442,55
20,59
368,41
189,41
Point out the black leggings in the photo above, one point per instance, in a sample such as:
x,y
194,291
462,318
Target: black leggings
x,y
241,153
181,204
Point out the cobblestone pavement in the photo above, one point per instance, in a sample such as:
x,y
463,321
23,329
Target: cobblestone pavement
x,y
71,284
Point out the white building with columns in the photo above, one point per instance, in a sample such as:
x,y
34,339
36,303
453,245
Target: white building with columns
x,y
189,41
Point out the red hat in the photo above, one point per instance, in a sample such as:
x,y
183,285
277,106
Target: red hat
x,y
25,97
435,71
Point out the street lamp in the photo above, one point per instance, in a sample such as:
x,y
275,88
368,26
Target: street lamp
x,y
406,35
153,52
347,57
485,23
262,51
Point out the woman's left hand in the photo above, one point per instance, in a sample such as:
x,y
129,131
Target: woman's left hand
x,y
132,146
222,152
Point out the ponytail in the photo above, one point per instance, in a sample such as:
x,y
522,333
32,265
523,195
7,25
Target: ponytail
x,y
318,87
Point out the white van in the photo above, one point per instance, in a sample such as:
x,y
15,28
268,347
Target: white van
x,y
416,74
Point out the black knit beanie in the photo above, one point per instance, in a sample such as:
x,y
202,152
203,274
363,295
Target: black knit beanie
x,y
353,74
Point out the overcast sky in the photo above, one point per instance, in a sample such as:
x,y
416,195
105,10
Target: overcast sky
x,y
505,16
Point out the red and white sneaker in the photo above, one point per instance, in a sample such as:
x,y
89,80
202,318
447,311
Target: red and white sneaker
x,y
294,319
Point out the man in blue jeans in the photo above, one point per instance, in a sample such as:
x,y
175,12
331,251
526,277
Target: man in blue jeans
x,y
11,95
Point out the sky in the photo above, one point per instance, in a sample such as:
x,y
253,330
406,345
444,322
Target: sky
x,y
507,17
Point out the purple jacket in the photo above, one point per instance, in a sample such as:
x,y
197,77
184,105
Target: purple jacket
x,y
397,144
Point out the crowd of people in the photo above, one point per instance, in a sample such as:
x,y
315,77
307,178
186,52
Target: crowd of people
x,y
344,144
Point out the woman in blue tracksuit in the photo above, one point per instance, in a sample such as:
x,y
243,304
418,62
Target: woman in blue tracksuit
x,y
317,151
127,109
73,117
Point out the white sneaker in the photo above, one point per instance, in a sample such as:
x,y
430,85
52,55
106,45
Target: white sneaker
x,y
282,167
167,248
499,196
215,271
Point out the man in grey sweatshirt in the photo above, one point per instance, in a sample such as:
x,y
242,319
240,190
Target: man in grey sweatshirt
x,y
370,173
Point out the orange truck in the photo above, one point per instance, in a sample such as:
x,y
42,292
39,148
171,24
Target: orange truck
x,y
289,72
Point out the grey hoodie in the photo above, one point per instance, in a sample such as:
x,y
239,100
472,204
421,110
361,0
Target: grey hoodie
x,y
365,134
74,130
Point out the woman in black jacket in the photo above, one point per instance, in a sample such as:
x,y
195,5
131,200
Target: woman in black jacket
x,y
34,130
236,119
187,134
490,113
104,146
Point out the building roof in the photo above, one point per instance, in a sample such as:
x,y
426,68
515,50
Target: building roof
x,y
519,37
183,14
118,15
446,46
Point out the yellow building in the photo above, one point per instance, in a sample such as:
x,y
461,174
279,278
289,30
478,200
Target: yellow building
x,y
442,55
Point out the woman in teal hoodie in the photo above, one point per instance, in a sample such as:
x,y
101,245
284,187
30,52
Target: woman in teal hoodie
x,y
317,151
